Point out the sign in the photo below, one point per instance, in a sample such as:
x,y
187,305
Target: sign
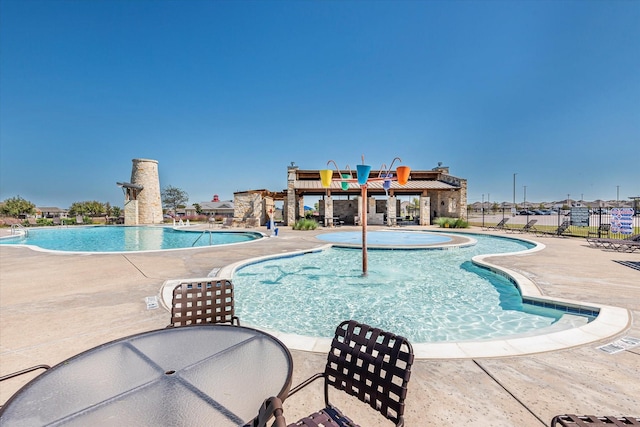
x,y
580,216
622,220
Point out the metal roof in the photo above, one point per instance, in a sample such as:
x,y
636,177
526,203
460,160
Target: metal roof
x,y
417,185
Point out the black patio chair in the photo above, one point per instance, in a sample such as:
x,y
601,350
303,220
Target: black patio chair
x,y
199,302
570,420
271,407
368,363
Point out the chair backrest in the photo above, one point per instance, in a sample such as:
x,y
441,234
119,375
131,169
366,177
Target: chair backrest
x,y
563,227
530,224
570,420
372,365
203,302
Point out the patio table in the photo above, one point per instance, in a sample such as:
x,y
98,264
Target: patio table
x,y
213,375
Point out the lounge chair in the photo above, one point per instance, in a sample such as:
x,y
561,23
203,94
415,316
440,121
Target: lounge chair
x,y
499,226
368,363
629,243
570,420
79,220
558,231
32,222
198,302
601,231
528,227
57,220
626,245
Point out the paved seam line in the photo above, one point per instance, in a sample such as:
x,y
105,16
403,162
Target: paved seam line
x,y
135,266
511,394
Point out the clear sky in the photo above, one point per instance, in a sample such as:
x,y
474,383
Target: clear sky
x,y
226,94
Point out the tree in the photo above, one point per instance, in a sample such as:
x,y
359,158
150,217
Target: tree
x,y
17,206
90,208
173,197
198,208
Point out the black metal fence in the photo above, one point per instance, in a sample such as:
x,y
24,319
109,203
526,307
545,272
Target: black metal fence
x,y
580,222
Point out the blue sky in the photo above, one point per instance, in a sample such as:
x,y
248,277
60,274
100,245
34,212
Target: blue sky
x,y
225,94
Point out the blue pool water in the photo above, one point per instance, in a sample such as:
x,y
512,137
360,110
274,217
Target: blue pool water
x,y
394,238
125,239
424,295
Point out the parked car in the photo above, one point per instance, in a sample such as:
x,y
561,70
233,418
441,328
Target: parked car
x,y
526,212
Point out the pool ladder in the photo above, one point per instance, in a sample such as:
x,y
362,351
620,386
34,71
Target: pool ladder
x,y
203,233
19,228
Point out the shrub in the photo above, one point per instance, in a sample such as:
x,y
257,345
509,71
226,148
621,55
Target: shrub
x,y
305,224
445,222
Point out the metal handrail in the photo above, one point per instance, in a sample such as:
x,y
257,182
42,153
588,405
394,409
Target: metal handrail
x,y
23,229
202,234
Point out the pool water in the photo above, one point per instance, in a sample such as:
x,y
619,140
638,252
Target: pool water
x,y
388,238
125,239
424,295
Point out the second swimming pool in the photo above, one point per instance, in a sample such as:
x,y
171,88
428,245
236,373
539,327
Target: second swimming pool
x,y
125,238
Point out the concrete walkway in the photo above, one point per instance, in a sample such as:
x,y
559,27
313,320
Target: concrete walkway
x,y
53,306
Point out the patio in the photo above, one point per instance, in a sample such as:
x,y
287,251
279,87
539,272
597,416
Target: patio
x,y
53,306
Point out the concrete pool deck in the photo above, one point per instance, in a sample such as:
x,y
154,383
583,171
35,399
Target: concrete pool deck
x,y
53,306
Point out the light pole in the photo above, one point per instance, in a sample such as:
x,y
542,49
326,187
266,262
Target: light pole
x,y
482,210
617,196
524,202
385,175
514,190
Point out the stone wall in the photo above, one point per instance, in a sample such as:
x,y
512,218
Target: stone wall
x,y
247,206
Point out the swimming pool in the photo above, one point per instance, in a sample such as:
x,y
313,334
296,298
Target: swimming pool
x,y
424,295
125,238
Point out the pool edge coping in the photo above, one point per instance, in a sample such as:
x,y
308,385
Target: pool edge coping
x,y
609,322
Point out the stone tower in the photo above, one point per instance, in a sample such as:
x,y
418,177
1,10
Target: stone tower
x,y
144,174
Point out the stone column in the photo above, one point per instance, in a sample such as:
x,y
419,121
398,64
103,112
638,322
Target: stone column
x,y
425,210
145,174
371,208
391,210
328,210
291,199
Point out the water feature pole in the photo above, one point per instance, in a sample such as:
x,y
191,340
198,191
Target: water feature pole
x,y
363,196
384,175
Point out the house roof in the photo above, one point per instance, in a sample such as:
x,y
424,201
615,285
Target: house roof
x,y
50,209
225,205
228,204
